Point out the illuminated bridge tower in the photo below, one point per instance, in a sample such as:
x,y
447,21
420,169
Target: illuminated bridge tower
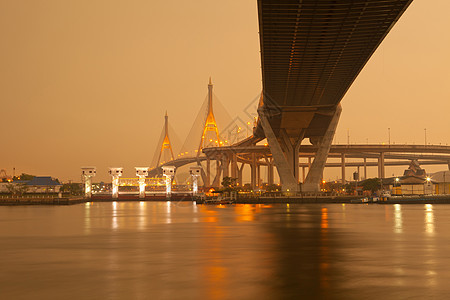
x,y
210,134
210,138
166,146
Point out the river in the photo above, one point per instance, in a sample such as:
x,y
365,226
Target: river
x,y
179,250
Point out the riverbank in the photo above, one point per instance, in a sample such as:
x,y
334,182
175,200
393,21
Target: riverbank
x,y
41,201
319,199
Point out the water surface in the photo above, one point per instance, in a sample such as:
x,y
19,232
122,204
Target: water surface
x,y
168,250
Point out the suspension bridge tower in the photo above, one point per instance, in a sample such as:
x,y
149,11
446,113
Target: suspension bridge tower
x,y
210,134
166,151
210,138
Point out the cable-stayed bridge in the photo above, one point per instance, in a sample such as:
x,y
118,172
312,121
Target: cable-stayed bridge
x,y
311,52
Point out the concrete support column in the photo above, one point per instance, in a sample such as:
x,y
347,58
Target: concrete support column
x,y
309,163
284,169
208,172
295,166
217,181
343,167
382,165
253,171
234,165
365,168
226,166
270,173
304,174
315,174
240,171
258,175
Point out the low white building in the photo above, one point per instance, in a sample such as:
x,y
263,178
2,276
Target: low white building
x,y
442,182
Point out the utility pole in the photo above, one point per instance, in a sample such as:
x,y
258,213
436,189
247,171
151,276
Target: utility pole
x,y
389,133
425,136
348,136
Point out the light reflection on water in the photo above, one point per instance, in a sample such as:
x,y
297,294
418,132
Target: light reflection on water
x,y
398,218
170,250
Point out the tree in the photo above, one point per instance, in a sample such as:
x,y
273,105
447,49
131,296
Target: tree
x,y
371,184
17,189
229,183
273,188
24,176
72,188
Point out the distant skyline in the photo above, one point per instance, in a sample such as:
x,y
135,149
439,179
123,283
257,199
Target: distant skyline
x,y
88,82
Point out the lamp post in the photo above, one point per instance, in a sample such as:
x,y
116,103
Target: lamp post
x,y
348,136
389,133
425,136
444,182
248,124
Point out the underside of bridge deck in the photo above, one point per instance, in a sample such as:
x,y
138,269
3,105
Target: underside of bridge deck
x,y
311,52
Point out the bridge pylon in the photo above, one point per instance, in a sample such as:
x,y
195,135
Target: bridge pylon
x,y
210,138
210,125
166,149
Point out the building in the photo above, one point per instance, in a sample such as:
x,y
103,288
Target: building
x,y
43,184
442,182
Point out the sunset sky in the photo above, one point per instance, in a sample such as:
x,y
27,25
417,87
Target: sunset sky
x,y
88,82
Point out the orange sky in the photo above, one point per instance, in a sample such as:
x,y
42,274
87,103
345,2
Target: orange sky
x,y
88,82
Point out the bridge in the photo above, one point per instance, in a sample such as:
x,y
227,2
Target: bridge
x,y
311,52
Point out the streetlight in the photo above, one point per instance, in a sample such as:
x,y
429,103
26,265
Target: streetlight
x,y
348,136
389,133
425,136
444,182
248,124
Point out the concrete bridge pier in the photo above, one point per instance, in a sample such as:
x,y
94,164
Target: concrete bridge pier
x,y
269,164
216,182
233,165
365,168
253,171
207,182
343,168
240,170
381,168
225,166
258,175
303,174
285,170
315,174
